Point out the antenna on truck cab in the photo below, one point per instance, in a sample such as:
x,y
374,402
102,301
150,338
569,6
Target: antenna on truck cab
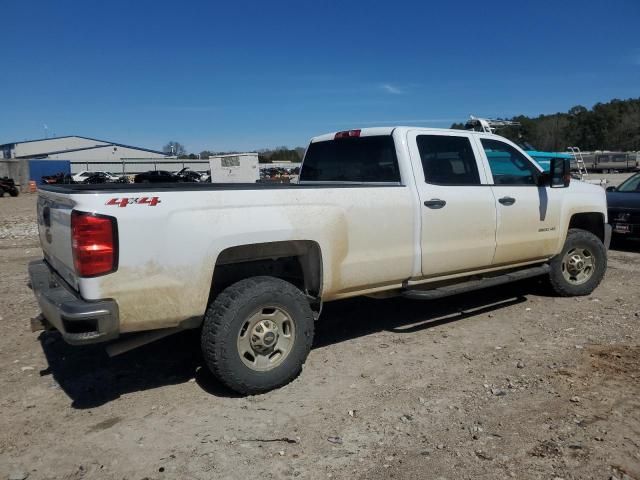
x,y
488,125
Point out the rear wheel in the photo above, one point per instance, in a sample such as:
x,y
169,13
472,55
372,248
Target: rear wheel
x,y
580,267
257,333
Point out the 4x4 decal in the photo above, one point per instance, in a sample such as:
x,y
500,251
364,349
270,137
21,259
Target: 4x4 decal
x,y
123,202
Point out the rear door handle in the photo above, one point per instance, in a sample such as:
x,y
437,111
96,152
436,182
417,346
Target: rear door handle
x,y
507,201
434,203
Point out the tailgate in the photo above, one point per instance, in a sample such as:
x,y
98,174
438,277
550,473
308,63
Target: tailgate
x,y
54,229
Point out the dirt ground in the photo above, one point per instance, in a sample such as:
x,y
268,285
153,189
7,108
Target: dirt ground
x,y
503,383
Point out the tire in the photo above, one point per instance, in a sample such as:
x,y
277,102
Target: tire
x,y
231,326
14,192
565,276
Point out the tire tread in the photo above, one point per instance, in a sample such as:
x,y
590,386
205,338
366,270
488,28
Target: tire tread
x,y
217,324
556,279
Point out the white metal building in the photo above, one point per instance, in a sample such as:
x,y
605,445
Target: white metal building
x,y
75,148
234,168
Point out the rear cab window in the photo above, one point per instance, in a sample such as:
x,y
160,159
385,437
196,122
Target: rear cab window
x,y
368,159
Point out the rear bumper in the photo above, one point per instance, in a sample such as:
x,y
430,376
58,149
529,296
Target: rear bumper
x,y
79,321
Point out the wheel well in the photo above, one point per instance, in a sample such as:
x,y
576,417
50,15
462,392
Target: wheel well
x,y
298,262
592,222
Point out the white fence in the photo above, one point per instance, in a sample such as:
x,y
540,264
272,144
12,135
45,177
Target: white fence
x,y
133,166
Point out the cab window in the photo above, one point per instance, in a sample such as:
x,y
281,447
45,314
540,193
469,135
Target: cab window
x,y
508,166
448,160
370,159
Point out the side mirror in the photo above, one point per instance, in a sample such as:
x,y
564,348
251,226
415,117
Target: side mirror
x,y
560,172
611,189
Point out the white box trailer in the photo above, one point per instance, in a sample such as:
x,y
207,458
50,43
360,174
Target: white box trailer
x,y
234,168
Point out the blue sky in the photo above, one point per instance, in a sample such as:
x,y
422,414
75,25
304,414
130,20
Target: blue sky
x,y
252,74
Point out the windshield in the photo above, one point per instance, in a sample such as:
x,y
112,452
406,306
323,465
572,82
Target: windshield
x,y
631,184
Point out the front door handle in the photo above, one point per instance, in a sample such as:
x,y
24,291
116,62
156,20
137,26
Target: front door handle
x,y
507,201
435,203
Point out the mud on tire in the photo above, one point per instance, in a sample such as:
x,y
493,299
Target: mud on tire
x,y
243,326
581,265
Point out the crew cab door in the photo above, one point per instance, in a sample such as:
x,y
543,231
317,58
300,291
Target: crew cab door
x,y
528,214
457,208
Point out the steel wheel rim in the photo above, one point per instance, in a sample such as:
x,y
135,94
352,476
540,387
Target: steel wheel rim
x,y
578,265
266,338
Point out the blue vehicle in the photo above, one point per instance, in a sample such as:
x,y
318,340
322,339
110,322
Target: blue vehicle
x,y
544,158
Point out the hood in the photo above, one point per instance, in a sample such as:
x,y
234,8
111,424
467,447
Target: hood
x,y
578,186
627,200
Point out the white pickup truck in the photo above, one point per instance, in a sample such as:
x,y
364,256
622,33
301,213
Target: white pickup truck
x,y
420,213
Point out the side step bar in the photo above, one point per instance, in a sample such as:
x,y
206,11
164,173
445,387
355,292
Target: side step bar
x,y
472,285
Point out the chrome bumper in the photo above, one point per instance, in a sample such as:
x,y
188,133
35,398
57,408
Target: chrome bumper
x,y
79,321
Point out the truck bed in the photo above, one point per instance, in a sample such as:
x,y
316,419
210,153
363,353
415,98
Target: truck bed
x,y
75,188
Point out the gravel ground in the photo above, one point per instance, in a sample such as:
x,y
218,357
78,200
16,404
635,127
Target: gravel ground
x,y
503,383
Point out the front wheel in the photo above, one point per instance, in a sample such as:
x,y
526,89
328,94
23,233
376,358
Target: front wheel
x,y
256,334
580,267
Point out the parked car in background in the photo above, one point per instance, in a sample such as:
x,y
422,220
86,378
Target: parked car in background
x,y
80,177
98,177
156,176
188,175
57,178
164,176
623,203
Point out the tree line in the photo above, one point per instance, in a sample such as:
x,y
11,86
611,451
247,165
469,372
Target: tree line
x,y
277,154
614,125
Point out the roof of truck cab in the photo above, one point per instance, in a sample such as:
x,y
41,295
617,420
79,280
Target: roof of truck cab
x,y
373,131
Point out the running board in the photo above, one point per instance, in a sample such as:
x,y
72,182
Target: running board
x,y
472,285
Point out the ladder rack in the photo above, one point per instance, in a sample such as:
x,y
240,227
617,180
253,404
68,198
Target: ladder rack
x,y
488,125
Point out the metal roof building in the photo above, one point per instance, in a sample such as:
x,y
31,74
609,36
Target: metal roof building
x,y
75,148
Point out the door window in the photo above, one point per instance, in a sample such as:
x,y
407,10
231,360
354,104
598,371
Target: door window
x,y
448,160
509,166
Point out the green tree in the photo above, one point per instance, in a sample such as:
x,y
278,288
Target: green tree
x,y
614,125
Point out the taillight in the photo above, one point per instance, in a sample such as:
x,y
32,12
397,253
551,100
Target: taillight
x,y
347,134
94,242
